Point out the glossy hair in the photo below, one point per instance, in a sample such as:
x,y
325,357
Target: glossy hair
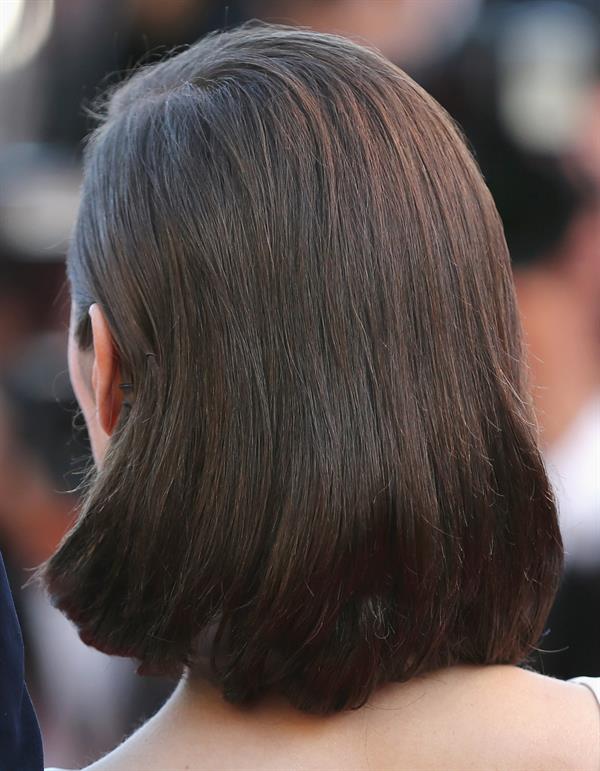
x,y
330,457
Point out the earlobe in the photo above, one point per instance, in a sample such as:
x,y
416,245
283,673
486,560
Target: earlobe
x,y
105,372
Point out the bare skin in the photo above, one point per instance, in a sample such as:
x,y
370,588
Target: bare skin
x,y
457,719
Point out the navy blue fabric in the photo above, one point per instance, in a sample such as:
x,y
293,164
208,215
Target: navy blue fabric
x,y
20,740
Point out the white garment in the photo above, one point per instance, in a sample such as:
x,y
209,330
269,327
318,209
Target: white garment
x,y
593,684
573,465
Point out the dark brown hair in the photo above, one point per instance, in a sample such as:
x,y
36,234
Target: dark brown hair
x,y
330,455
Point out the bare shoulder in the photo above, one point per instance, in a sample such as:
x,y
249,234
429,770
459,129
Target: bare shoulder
x,y
496,717
555,721
564,715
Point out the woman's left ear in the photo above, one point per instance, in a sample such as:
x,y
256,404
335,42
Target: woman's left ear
x,y
106,374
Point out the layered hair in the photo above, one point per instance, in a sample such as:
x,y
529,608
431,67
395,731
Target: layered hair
x,y
329,457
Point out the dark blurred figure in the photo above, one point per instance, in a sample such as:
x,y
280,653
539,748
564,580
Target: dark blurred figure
x,y
20,740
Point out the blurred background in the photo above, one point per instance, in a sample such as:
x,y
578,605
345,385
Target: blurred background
x,y
522,78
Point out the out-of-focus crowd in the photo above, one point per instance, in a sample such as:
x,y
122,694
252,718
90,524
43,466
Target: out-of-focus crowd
x,y
523,80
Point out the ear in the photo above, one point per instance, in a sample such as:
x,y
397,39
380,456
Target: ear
x,y
106,375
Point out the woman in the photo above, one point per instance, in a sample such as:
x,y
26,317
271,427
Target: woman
x,y
319,497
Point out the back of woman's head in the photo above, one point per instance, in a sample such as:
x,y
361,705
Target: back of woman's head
x,y
329,455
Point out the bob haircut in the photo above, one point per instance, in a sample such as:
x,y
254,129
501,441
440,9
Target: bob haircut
x,y
328,471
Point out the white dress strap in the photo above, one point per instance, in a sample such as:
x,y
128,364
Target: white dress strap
x,y
592,684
